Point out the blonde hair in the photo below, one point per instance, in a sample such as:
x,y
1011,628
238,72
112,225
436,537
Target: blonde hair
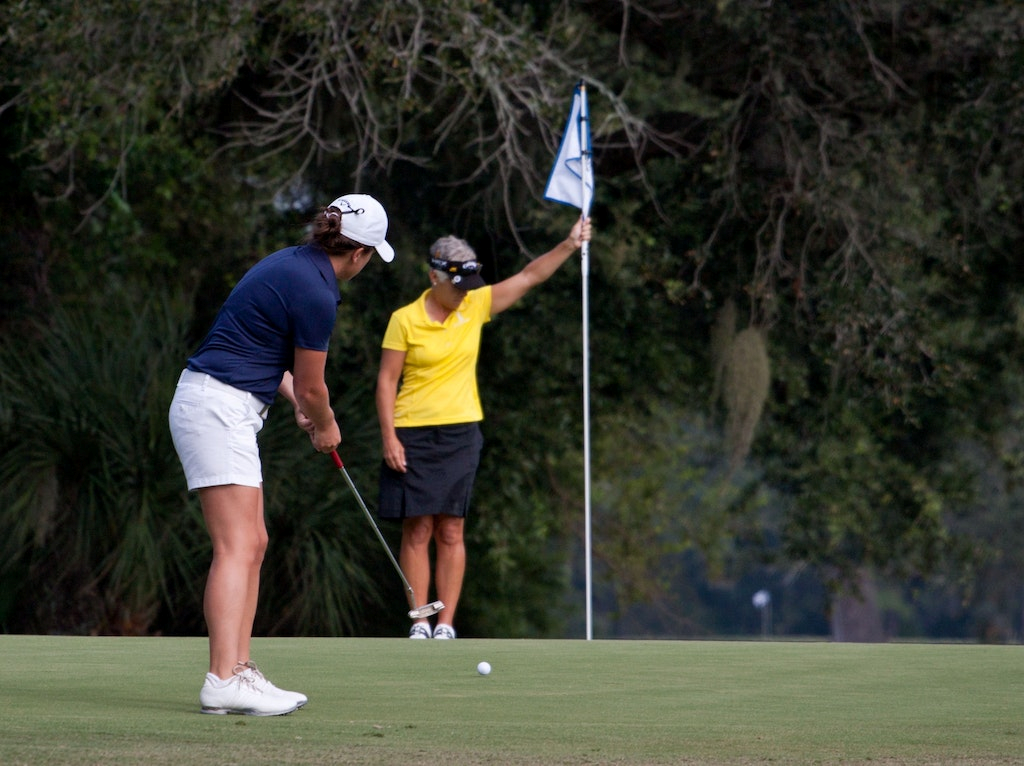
x,y
452,249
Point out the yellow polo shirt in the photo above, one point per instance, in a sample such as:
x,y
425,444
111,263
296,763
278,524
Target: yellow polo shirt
x,y
438,385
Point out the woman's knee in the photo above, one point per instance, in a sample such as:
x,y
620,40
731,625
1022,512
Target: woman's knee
x,y
234,520
418,530
260,547
248,551
449,530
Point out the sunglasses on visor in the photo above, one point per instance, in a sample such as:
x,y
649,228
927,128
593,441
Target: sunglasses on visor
x,y
456,268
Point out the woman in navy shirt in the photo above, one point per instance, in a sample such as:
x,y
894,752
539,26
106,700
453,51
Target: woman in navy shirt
x,y
270,337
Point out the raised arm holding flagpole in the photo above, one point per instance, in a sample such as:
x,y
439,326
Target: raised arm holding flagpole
x,y
572,183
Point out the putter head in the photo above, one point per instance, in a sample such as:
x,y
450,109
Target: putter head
x,y
426,610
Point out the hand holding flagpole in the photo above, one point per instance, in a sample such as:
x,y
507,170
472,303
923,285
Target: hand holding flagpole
x,y
572,183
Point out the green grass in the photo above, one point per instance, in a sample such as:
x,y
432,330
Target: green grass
x,y
66,700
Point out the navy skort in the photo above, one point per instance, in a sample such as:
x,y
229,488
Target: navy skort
x,y
441,463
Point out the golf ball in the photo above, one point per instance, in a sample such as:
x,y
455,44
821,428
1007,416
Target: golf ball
x,y
483,668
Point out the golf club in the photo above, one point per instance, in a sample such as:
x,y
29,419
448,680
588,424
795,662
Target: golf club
x,y
417,612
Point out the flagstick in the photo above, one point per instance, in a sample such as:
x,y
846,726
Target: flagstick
x,y
587,543
575,148
585,181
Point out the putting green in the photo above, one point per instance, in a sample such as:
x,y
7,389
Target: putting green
x,y
71,700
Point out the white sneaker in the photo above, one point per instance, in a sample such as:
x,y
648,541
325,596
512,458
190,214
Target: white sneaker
x,y
419,630
242,694
444,631
264,683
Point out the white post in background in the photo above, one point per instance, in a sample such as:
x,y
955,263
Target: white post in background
x,y
763,603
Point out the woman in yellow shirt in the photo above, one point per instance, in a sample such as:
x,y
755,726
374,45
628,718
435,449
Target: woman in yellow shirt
x,y
430,425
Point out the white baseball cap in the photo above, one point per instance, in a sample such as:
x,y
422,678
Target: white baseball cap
x,y
364,220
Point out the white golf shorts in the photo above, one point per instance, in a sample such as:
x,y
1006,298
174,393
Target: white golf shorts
x,y
214,429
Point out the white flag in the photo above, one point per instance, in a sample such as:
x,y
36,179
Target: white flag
x,y
572,177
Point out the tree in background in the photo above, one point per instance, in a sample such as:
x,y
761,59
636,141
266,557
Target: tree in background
x,y
97,537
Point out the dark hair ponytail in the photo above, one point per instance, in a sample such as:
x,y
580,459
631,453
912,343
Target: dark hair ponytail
x,y
325,231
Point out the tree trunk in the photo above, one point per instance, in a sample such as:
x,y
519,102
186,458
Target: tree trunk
x,y
855,613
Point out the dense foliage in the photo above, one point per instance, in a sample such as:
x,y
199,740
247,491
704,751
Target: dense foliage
x,y
804,302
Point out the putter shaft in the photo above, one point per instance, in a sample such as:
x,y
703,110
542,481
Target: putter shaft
x,y
417,612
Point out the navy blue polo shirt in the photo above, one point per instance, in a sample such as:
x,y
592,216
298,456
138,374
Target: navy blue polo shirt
x,y
287,300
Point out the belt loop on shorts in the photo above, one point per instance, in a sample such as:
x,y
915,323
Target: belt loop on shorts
x,y
205,380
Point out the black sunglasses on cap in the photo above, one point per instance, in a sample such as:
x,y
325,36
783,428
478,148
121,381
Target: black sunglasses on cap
x,y
456,268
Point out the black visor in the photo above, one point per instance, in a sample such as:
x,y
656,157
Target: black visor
x,y
465,275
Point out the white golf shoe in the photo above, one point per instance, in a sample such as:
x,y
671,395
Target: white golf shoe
x,y
419,630
264,683
244,693
444,631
